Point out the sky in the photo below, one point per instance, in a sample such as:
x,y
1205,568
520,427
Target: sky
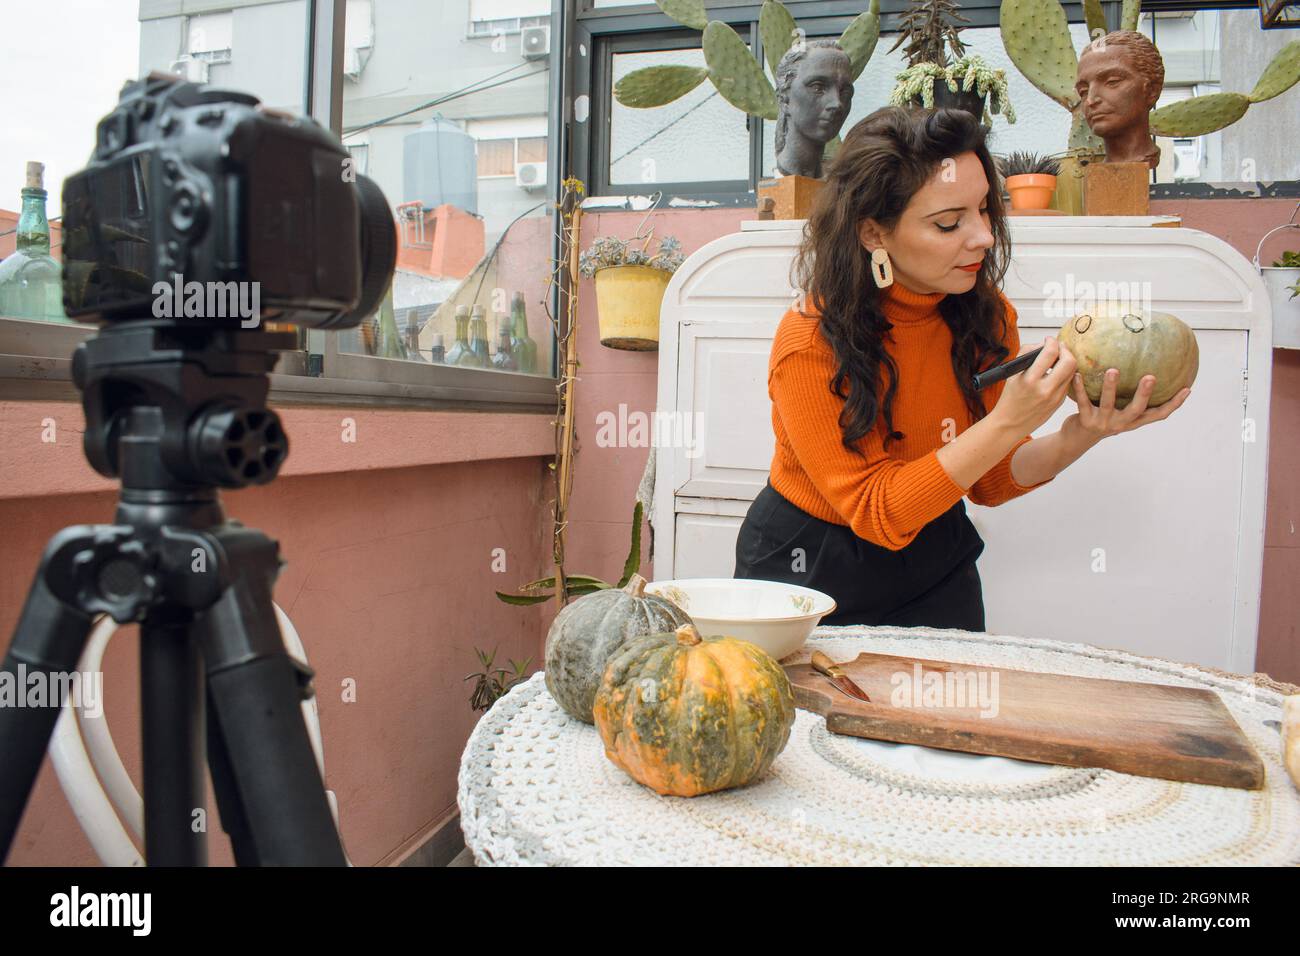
x,y
62,65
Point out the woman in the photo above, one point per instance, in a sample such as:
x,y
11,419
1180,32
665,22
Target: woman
x,y
879,431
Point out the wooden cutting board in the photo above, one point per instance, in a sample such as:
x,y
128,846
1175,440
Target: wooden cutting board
x,y
1150,730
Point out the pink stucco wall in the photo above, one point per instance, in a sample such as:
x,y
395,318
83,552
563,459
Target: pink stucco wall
x,y
390,544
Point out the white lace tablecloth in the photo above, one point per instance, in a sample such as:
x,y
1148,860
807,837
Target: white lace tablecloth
x,y
536,788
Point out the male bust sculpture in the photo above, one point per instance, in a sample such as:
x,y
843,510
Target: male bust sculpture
x,y
1119,80
814,90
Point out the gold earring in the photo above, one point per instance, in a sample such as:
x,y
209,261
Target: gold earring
x,y
882,270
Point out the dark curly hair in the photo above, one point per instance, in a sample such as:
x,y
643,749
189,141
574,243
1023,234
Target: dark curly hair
x,y
885,158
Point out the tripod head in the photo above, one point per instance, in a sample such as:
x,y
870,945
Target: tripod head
x,y
172,406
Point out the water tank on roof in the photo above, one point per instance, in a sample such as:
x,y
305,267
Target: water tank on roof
x,y
439,166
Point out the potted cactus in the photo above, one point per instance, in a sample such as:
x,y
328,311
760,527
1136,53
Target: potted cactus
x,y
732,68
931,30
1030,178
630,286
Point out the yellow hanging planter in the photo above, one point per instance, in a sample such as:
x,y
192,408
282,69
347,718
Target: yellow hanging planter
x,y
628,298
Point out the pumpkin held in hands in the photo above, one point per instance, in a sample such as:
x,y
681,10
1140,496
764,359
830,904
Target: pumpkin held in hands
x,y
587,631
685,714
1137,343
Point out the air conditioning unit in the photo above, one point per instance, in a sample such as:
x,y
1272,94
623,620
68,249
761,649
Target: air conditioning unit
x,y
535,43
530,175
196,71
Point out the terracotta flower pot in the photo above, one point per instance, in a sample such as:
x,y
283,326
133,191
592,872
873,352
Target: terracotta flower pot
x,y
1031,190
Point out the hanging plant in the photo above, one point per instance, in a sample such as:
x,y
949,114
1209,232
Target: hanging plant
x,y
609,251
969,74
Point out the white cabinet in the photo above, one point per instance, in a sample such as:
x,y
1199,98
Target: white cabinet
x,y
1152,542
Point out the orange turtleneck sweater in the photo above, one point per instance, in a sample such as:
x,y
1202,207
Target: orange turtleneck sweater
x,y
885,497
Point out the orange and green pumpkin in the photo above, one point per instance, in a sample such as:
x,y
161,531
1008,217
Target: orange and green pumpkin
x,y
591,628
685,714
1137,343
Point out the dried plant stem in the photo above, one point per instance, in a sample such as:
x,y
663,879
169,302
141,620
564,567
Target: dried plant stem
x,y
572,211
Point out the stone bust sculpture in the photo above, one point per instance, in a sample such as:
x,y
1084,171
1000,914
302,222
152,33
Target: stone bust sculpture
x,y
1119,79
814,90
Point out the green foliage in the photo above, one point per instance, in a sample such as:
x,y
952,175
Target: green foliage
x,y
1094,17
859,38
1037,38
731,67
1199,114
969,74
1036,35
1022,163
928,29
778,30
735,72
492,683
658,85
689,12
577,585
1129,14
608,251
1280,75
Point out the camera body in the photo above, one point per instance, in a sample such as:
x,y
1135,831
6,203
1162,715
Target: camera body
x,y
196,194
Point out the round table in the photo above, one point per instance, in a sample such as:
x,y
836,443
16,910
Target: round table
x,y
535,786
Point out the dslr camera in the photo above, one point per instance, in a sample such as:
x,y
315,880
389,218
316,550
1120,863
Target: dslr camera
x,y
194,195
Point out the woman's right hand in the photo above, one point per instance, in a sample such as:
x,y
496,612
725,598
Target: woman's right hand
x,y
1030,397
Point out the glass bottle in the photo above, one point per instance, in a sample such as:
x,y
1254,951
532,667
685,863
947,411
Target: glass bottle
x,y
390,341
31,285
457,352
522,346
413,339
438,354
478,336
505,358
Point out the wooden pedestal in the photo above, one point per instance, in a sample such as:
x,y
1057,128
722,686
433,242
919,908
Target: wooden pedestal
x,y
792,196
1116,189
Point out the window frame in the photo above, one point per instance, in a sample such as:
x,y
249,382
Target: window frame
x,y
36,357
643,28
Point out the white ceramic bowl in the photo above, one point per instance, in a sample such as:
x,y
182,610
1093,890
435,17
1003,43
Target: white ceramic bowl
x,y
778,617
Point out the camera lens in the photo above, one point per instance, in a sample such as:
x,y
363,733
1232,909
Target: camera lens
x,y
378,252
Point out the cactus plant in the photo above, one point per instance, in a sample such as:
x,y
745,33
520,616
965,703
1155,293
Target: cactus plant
x,y
970,74
730,66
928,28
1036,35
927,32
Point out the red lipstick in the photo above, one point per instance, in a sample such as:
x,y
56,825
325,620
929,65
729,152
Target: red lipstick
x,y
973,267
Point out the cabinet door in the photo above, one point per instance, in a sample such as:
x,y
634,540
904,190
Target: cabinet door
x,y
704,540
1135,544
722,395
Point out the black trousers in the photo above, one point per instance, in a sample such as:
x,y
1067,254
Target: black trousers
x,y
932,582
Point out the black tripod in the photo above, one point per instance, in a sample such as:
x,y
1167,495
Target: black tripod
x,y
178,411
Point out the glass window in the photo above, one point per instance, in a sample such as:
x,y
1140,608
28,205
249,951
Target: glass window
x,y
496,157
1041,125
102,44
456,126
1259,147
532,149
699,137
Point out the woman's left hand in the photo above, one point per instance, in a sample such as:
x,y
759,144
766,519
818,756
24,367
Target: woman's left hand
x,y
1098,422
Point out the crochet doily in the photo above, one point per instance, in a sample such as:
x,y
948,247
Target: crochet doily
x,y
536,788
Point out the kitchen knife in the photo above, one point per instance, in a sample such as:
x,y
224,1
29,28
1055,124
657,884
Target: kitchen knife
x,y
824,665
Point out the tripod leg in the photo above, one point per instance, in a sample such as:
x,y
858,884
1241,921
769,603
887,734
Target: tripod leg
x,y
50,638
256,709
171,717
